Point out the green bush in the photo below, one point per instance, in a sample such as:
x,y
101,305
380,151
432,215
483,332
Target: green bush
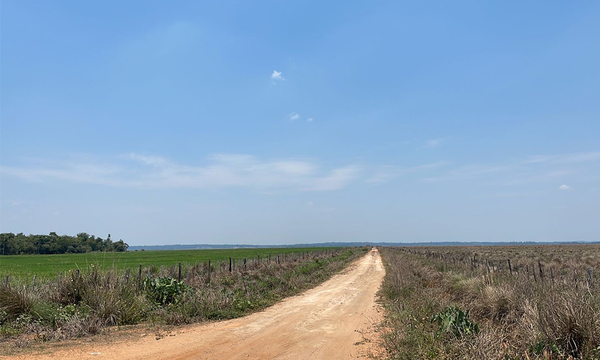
x,y
454,320
165,290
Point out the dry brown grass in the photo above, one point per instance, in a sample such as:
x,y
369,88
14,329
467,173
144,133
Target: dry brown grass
x,y
519,316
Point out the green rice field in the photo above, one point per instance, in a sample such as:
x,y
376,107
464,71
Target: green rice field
x,y
49,266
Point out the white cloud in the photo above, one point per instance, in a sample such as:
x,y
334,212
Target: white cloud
x,y
527,176
565,187
337,179
387,173
148,160
217,171
276,75
469,172
571,158
433,143
310,120
310,203
293,116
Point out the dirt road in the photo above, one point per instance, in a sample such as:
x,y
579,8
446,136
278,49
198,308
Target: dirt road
x,y
327,322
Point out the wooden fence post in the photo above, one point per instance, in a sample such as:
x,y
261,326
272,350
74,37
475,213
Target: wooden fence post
x,y
209,271
179,273
230,268
541,270
509,267
140,276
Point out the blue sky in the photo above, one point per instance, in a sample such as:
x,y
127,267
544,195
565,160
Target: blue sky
x,y
287,122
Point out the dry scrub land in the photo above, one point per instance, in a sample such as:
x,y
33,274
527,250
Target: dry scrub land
x,y
495,302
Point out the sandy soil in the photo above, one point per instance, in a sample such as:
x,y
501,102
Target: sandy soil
x,y
335,320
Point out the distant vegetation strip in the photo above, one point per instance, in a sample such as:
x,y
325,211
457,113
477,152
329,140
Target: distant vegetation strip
x,y
507,302
16,244
348,244
84,302
25,267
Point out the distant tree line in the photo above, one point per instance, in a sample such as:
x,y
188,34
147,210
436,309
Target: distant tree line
x,y
11,244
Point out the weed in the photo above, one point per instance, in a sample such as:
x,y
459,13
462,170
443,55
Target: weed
x,y
454,320
164,290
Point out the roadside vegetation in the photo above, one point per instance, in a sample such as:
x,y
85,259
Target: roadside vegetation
x,y
86,302
517,302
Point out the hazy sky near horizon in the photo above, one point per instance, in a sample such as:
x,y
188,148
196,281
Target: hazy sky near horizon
x,y
295,122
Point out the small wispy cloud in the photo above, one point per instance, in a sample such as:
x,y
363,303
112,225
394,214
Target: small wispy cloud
x,y
433,143
469,172
335,180
293,116
533,169
276,75
217,171
388,173
310,119
522,176
564,187
571,158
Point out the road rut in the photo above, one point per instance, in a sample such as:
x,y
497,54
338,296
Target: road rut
x,y
335,320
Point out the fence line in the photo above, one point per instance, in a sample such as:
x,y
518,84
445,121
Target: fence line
x,y
192,272
512,269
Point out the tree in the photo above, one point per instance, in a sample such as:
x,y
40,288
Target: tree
x,y
11,244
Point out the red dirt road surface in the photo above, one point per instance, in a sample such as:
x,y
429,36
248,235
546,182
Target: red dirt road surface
x,y
335,320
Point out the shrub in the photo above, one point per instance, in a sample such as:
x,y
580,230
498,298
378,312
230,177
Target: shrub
x,y
165,290
456,321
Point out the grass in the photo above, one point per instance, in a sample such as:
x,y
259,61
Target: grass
x,y
49,266
84,303
465,302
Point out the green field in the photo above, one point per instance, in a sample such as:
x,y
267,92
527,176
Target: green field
x,y
49,266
